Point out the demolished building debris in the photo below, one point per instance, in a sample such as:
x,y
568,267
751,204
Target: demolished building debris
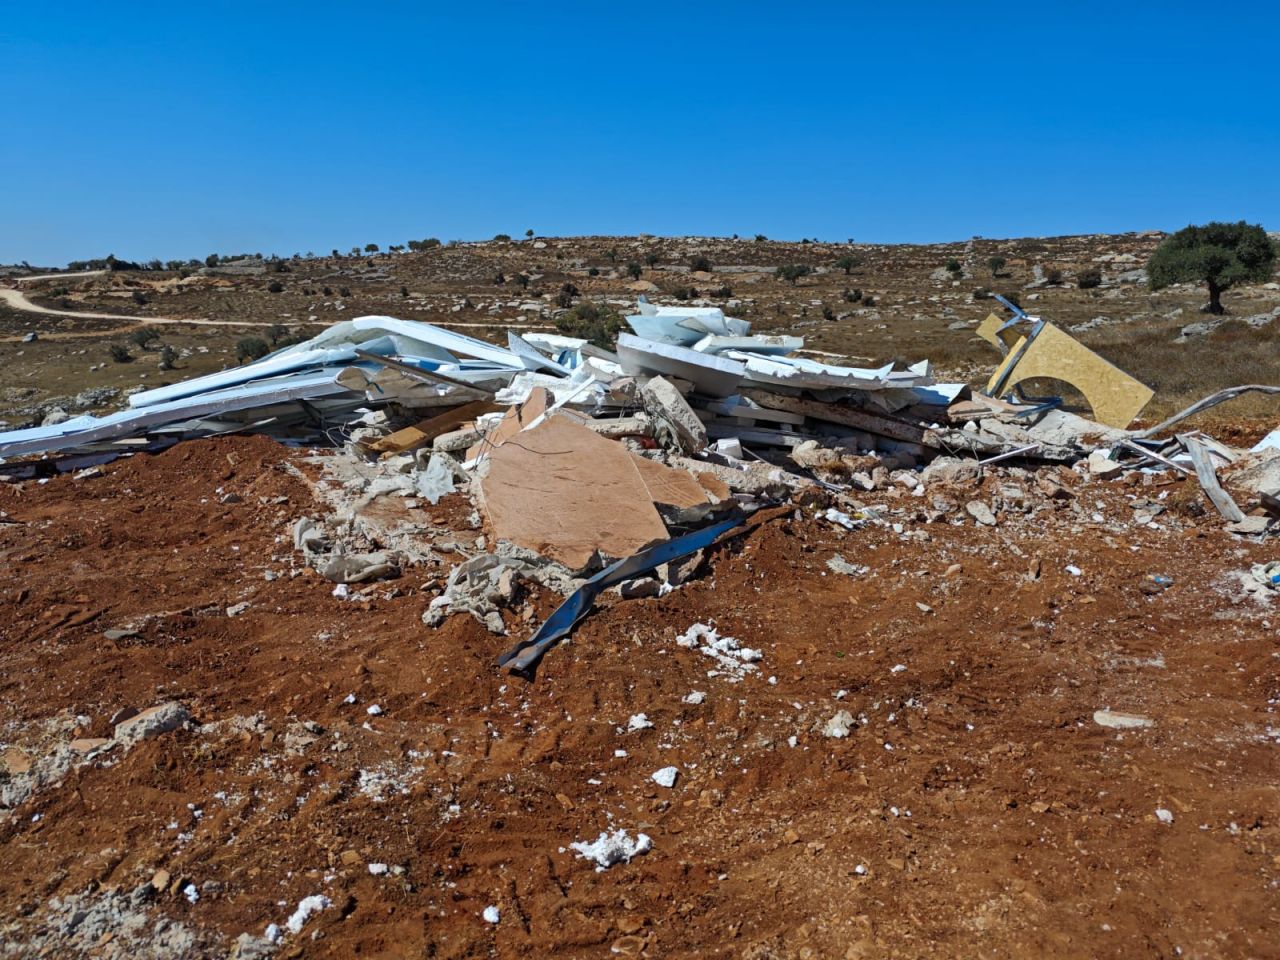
x,y
590,470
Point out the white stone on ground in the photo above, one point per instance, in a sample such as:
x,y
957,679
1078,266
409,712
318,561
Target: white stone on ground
x,y
666,777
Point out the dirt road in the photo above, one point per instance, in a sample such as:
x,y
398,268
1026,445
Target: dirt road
x,y
17,300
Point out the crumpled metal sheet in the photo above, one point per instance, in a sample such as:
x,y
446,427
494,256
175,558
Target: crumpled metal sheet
x,y
524,656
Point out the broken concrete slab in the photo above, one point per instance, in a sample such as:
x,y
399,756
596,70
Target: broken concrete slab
x,y
673,418
152,722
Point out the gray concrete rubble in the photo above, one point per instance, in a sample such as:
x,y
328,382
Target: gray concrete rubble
x,y
486,584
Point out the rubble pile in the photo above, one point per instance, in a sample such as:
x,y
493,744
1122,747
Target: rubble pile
x,y
591,468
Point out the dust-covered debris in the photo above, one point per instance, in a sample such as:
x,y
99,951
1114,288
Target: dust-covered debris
x,y
609,849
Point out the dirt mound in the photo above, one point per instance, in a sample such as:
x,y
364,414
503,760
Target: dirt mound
x,y
338,749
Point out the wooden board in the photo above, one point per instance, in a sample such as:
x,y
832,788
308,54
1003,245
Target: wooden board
x,y
423,432
845,416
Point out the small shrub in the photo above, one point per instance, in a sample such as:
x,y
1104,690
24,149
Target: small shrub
x,y
275,286
794,271
144,337
119,353
564,298
1088,279
593,322
700,265
251,348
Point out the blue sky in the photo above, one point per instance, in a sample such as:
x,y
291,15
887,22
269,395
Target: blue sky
x,y
175,130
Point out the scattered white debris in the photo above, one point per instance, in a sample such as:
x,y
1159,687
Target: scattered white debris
x,y
666,777
841,518
638,721
727,651
306,907
191,893
374,710
1163,815
377,869
612,848
838,727
491,914
695,698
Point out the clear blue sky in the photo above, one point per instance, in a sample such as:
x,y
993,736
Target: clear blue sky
x,y
177,129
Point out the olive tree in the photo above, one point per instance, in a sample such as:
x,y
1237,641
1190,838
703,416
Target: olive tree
x,y
1219,255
